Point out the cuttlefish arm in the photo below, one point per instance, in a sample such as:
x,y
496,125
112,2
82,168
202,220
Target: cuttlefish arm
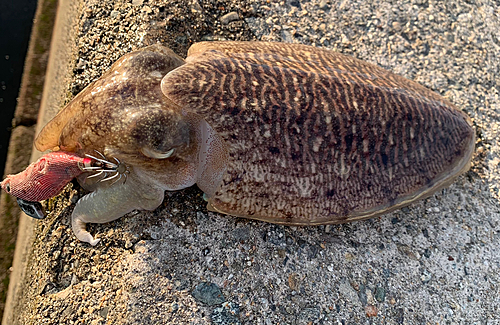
x,y
108,204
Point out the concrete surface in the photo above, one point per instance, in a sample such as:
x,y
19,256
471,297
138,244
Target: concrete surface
x,y
435,262
23,132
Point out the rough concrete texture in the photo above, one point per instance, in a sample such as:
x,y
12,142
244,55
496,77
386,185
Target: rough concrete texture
x,y
18,158
23,132
435,262
54,84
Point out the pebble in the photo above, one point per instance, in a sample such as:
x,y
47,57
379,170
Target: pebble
x,y
208,293
196,7
227,18
324,4
371,311
426,276
380,294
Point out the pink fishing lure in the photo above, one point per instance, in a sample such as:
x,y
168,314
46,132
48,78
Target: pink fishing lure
x,y
46,177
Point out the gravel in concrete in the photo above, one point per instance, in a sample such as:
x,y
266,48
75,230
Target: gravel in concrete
x,y
435,262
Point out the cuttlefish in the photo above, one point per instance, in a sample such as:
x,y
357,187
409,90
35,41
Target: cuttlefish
x,y
283,133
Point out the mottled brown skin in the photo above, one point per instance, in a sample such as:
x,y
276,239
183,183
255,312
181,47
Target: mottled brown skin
x,y
317,137
284,133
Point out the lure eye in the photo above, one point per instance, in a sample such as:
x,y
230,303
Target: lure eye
x,y
7,187
41,165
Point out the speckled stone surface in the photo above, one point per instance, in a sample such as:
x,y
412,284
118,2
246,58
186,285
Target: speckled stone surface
x,y
435,262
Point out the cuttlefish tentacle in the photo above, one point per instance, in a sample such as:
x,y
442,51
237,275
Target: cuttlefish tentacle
x,y
106,169
108,204
103,162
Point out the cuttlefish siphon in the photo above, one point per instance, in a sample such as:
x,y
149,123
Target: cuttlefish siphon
x,y
284,133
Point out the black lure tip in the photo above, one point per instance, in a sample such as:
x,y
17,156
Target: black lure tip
x,y
32,209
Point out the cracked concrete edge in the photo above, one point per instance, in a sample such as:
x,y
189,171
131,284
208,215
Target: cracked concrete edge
x,y
54,94
23,132
18,157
